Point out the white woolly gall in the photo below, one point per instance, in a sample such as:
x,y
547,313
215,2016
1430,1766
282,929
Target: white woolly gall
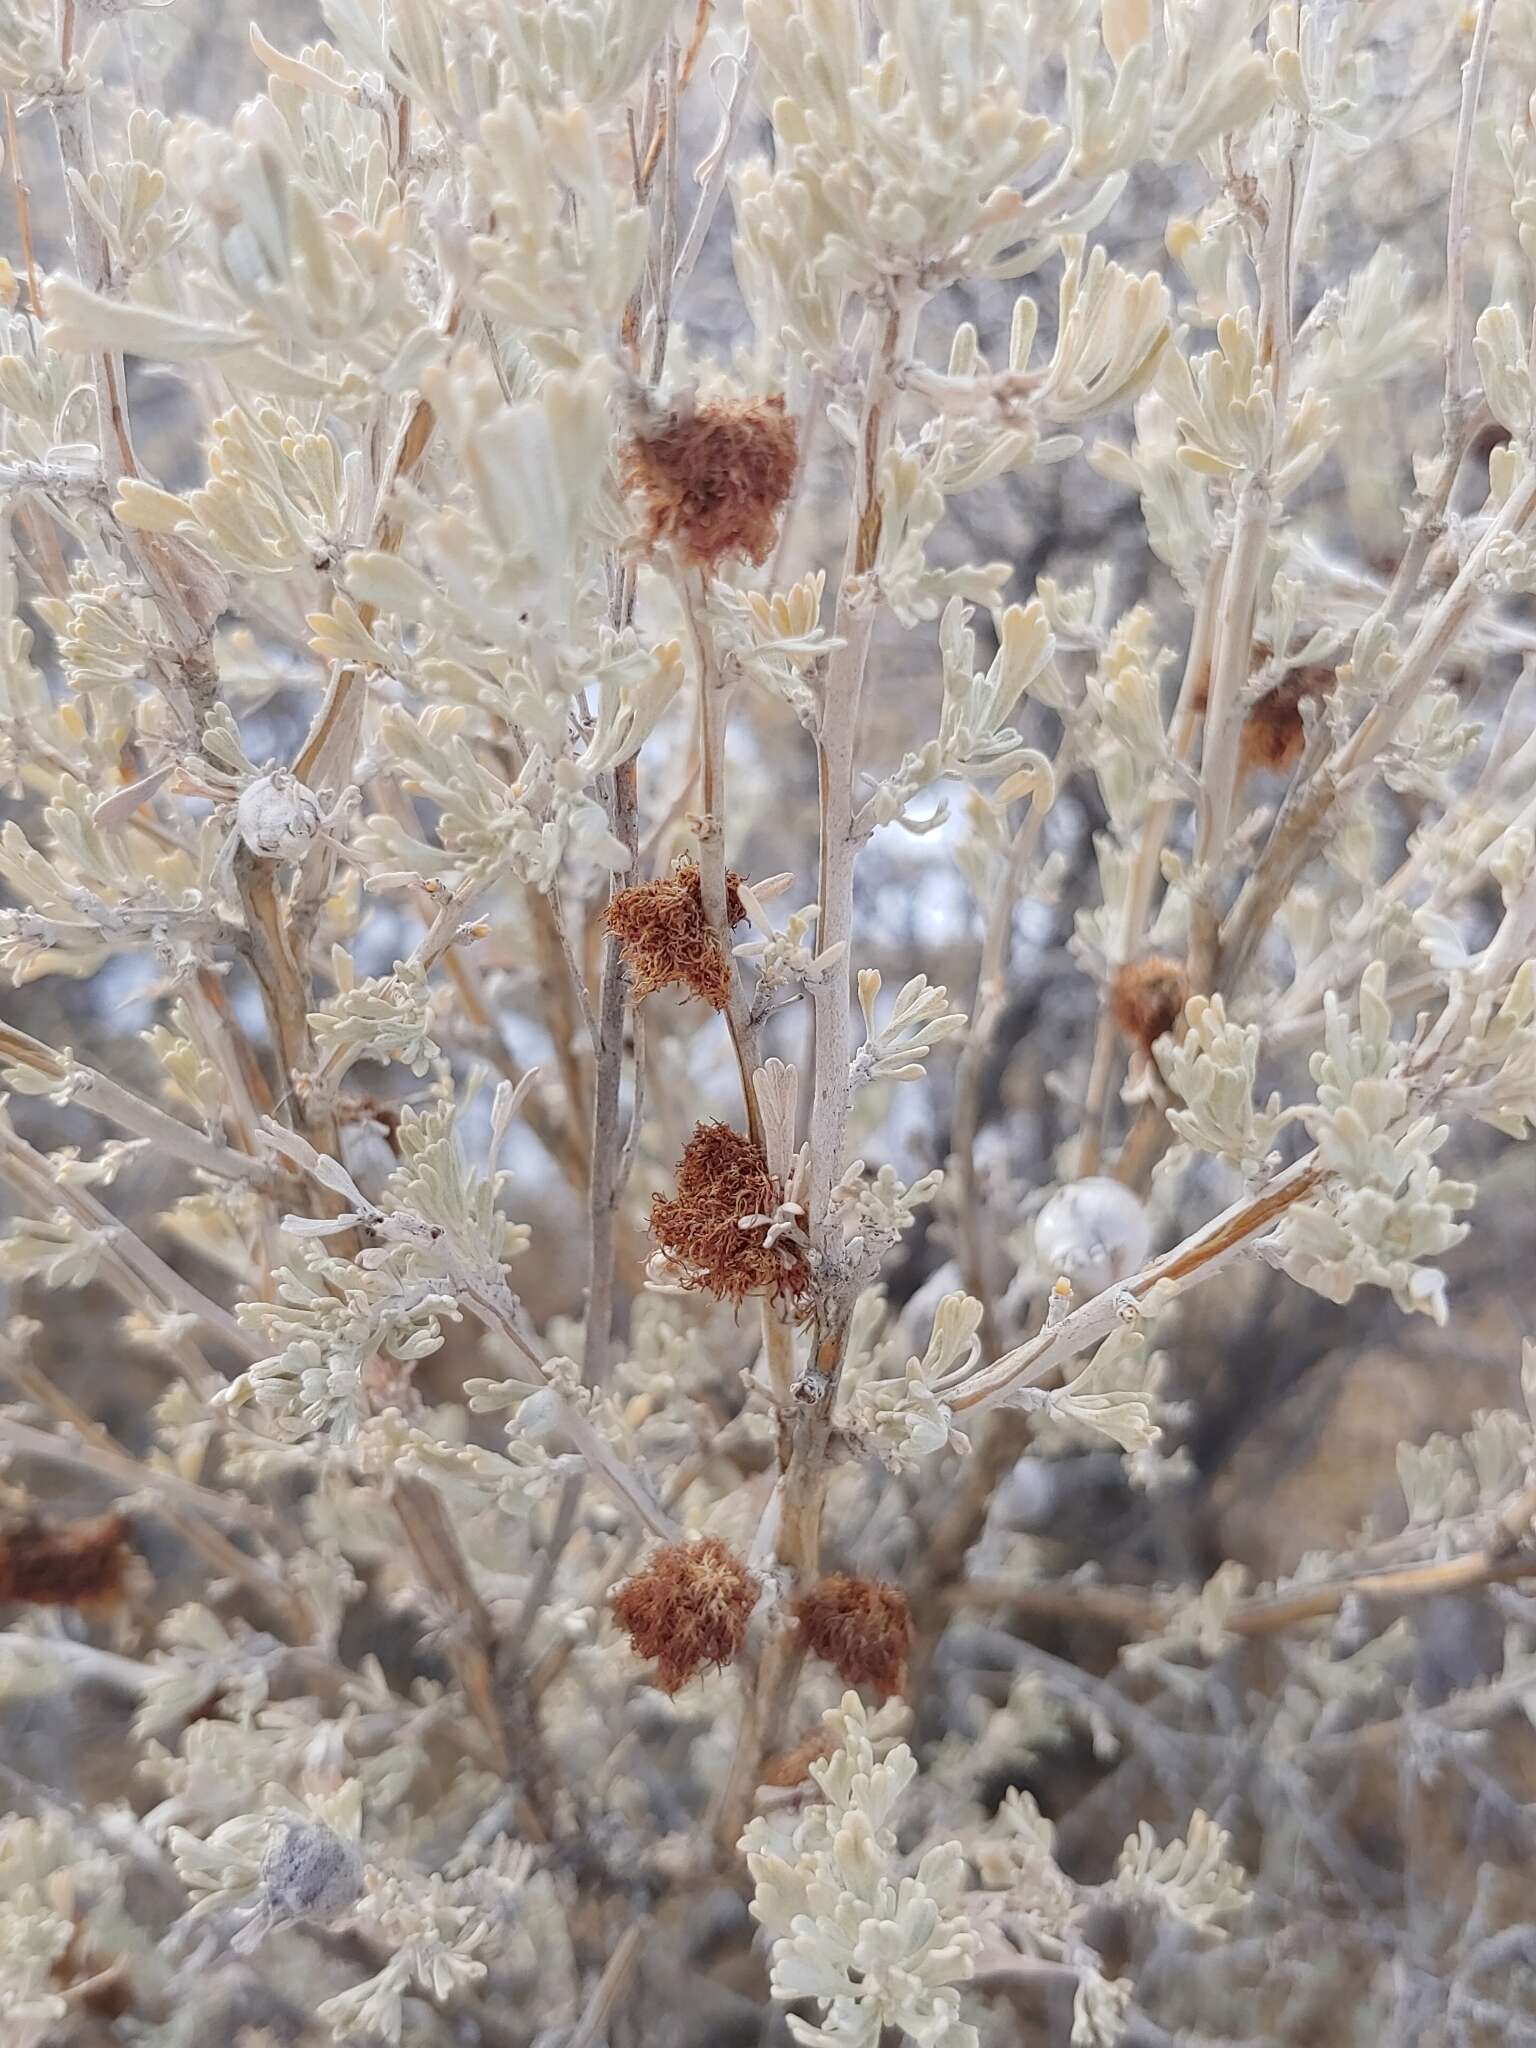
x,y
310,1873
277,816
1094,1232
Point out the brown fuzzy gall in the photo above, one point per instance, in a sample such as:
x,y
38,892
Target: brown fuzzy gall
x,y
666,938
722,1178
714,480
1200,698
366,1109
1147,998
1273,733
862,1628
793,1766
94,1984
688,1608
81,1564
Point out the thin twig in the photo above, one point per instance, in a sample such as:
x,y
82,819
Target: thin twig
x,y
126,1260
23,197
714,697
131,1477
605,1993
805,1441
130,1112
193,1520
1305,818
1130,1612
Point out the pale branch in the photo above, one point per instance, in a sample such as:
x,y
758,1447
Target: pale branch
x,y
132,1269
1131,1611
190,1509
805,1441
715,687
129,1476
609,1154
1198,1257
1152,835
133,1113
1309,809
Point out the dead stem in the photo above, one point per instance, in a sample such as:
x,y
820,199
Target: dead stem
x,y
1132,1612
806,1436
22,193
714,697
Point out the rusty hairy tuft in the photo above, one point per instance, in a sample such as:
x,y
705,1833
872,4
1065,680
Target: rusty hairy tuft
x,y
689,1608
723,1178
1147,998
1273,733
713,481
666,938
861,1627
792,1767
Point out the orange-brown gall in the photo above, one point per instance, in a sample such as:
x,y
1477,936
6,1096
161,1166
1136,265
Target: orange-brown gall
x,y
792,1767
722,1179
81,1564
688,1609
98,1985
667,940
713,481
1147,998
1273,732
363,1109
862,1628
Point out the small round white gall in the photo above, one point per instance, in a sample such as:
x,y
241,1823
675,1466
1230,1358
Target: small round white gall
x,y
309,1872
542,1415
1095,1232
277,816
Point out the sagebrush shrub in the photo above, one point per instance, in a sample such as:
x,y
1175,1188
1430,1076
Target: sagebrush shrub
x,y
533,469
